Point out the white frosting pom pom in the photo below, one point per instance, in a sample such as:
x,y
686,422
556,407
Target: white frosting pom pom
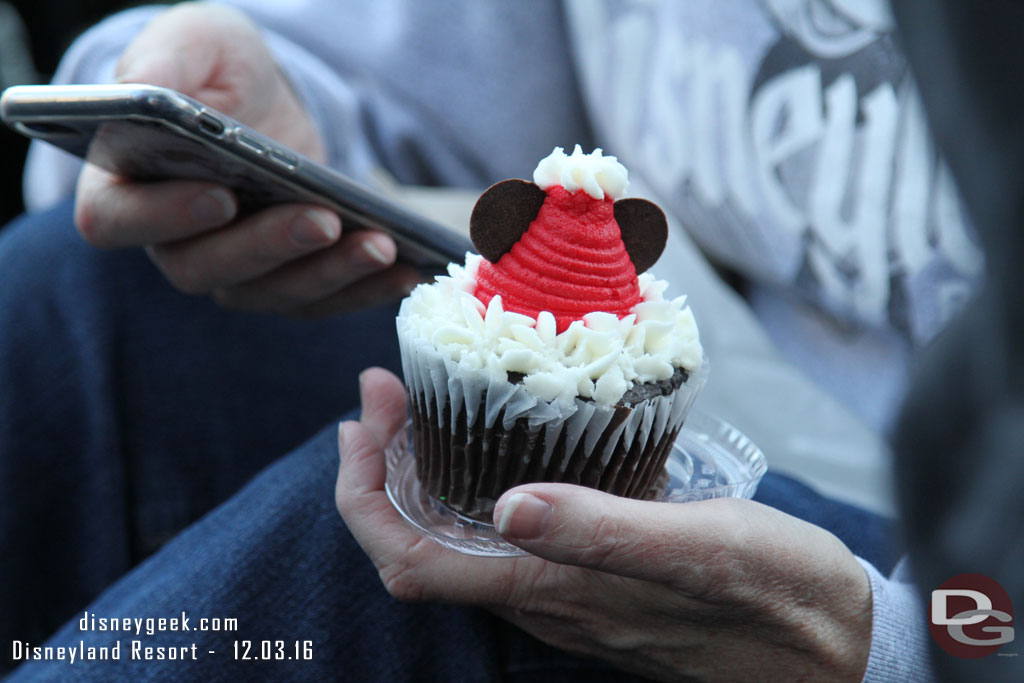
x,y
595,174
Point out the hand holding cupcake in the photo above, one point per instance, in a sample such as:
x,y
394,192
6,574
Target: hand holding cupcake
x,y
547,357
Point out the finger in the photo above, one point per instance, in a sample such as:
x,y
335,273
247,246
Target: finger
x,y
356,272
411,566
379,288
175,50
637,539
112,211
186,48
384,402
361,500
246,249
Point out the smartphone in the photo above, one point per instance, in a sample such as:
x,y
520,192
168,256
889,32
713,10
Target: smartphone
x,y
150,133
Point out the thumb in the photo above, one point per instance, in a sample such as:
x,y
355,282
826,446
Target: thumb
x,y
168,52
191,48
637,539
384,404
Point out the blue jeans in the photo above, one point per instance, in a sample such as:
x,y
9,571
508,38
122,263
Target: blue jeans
x,y
128,411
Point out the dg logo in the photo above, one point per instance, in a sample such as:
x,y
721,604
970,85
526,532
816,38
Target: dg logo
x,y
971,616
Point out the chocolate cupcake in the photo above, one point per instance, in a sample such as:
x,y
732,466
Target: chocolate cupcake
x,y
547,357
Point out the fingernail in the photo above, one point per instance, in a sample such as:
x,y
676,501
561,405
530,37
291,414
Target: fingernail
x,y
524,516
313,229
212,207
155,68
136,75
132,74
375,253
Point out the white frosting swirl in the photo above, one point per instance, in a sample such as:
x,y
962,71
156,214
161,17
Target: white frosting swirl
x,y
600,357
595,174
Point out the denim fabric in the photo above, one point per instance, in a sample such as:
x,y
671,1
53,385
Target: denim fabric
x,y
127,411
278,558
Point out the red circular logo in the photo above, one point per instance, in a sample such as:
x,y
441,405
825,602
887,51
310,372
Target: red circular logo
x,y
970,616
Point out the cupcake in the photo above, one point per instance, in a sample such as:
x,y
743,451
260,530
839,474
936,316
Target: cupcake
x,y
552,355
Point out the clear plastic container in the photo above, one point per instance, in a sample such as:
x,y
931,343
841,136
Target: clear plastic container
x,y
710,459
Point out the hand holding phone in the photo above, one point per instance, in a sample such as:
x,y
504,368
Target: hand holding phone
x,y
162,173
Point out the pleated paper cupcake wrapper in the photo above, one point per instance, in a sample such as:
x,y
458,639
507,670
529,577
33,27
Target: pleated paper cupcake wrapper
x,y
475,436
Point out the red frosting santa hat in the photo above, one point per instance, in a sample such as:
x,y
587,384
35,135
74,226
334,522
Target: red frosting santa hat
x,y
566,243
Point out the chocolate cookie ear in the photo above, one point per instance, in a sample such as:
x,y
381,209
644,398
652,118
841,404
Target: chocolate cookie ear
x,y
644,231
501,216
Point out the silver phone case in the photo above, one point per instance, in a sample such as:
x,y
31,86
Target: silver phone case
x,y
152,133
